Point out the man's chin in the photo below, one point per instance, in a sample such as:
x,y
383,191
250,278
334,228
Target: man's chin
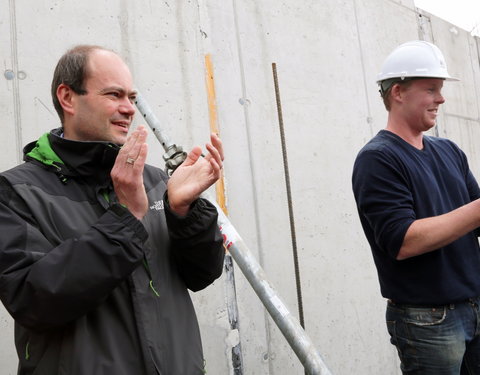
x,y
119,139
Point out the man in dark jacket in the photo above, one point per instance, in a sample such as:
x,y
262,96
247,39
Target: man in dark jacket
x,y
97,249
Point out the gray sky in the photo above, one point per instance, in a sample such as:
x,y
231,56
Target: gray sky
x,y
462,13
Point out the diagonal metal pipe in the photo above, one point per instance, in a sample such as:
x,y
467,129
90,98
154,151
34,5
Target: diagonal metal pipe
x,y
288,324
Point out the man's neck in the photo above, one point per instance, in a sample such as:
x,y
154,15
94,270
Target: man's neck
x,y
407,133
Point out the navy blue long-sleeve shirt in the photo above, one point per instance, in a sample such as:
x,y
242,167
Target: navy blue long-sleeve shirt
x,y
395,184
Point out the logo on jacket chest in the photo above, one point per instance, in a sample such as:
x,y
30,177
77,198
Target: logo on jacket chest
x,y
157,205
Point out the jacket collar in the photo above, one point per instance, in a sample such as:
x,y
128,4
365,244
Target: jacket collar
x,y
74,158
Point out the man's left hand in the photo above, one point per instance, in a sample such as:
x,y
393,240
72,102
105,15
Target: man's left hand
x,y
195,175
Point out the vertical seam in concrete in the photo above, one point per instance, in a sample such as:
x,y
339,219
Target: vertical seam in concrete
x,y
252,165
362,62
185,78
16,93
425,31
472,57
247,123
124,26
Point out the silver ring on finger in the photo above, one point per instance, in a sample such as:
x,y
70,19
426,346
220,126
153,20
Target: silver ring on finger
x,y
130,161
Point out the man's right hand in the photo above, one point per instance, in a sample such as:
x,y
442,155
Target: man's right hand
x,y
127,173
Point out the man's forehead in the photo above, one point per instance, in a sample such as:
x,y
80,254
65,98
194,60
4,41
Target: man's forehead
x,y
107,71
106,62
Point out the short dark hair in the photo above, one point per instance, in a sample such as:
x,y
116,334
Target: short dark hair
x,y
71,70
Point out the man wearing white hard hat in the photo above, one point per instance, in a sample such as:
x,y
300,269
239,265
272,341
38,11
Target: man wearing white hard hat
x,y
419,206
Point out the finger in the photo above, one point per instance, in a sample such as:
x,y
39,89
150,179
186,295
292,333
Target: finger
x,y
131,150
217,143
127,147
193,156
214,154
216,167
141,159
139,142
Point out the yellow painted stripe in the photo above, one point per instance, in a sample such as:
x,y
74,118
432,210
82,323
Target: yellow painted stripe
x,y
212,112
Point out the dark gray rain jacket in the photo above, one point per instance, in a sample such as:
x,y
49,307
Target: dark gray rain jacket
x,y
94,291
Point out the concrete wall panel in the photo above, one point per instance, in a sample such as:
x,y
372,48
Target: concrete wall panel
x,y
327,56
461,110
9,105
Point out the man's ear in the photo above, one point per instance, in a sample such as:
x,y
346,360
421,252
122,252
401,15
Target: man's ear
x,y
65,97
396,92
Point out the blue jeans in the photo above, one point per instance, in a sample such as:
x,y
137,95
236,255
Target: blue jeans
x,y
440,340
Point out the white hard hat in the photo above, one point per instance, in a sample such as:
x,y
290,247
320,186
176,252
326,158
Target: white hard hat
x,y
415,59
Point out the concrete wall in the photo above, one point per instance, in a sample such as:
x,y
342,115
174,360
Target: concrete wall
x,y
327,55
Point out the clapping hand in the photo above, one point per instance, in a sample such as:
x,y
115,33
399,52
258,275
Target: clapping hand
x,y
195,175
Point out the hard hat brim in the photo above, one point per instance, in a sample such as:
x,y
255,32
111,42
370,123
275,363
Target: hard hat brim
x,y
405,78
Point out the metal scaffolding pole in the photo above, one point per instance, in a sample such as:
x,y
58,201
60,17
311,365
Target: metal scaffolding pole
x,y
290,327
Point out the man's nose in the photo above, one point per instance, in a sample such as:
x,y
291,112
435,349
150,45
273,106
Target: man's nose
x,y
127,107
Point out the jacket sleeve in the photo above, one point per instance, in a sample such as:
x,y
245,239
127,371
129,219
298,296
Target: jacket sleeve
x,y
44,286
197,245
